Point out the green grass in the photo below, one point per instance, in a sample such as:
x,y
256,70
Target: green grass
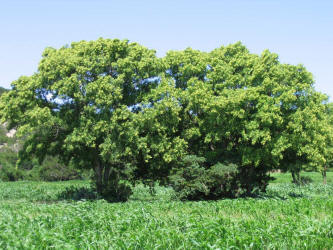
x,y
33,215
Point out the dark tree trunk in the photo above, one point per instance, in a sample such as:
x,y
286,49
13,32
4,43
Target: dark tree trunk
x,y
106,175
324,175
107,181
293,176
296,177
98,176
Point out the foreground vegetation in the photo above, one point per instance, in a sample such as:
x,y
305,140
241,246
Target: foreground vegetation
x,y
44,215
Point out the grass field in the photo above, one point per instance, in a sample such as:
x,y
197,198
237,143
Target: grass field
x,y
33,215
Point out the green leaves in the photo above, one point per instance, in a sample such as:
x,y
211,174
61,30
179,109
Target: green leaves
x,y
114,103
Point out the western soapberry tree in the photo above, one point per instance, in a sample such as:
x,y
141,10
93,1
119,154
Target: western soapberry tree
x,y
211,124
79,105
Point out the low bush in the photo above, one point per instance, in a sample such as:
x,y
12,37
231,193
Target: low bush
x,y
195,181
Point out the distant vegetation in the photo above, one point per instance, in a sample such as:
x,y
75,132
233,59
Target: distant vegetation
x,y
210,125
2,90
48,170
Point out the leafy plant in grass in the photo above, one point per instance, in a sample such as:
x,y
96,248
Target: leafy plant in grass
x,y
194,181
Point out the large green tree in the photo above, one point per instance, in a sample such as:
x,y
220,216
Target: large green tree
x,y
79,106
250,110
114,107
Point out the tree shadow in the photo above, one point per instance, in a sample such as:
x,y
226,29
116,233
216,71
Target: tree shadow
x,y
76,193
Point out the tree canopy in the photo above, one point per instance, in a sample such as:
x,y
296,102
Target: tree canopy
x,y
113,106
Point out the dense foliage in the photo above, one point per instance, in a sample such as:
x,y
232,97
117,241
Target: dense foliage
x,y
35,215
194,181
114,107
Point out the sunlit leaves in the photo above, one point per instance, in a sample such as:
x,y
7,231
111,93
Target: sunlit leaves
x,y
115,102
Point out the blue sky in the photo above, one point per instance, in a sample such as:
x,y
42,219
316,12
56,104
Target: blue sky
x,y
299,31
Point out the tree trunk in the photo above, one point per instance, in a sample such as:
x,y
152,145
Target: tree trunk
x,y
296,177
98,176
293,176
324,175
106,174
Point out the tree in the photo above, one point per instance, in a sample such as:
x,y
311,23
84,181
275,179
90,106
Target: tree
x,y
250,110
220,120
80,105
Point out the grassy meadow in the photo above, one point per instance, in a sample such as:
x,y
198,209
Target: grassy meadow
x,y
37,215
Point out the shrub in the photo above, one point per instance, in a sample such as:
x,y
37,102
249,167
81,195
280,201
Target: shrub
x,y
189,181
193,181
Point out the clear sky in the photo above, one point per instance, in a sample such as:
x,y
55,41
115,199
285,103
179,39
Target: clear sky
x,y
299,31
